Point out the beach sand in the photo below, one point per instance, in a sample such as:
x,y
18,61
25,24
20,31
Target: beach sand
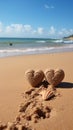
x,y
13,84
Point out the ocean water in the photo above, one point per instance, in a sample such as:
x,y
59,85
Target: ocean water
x,y
26,46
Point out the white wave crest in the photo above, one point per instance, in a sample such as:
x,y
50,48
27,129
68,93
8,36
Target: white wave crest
x,y
68,41
41,41
38,50
58,41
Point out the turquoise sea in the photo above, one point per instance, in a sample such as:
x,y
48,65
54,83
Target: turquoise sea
x,y
26,46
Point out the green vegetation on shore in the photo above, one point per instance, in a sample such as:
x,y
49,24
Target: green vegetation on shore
x,y
68,37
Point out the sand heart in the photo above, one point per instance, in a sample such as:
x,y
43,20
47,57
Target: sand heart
x,y
54,77
34,78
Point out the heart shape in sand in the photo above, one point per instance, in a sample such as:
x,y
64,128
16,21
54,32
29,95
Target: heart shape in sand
x,y
54,77
34,78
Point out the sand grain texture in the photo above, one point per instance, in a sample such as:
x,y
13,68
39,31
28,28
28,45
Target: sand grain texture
x,y
13,83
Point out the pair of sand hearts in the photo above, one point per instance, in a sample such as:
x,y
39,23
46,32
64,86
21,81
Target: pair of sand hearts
x,y
53,77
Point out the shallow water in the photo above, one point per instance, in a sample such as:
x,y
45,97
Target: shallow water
x,y
25,46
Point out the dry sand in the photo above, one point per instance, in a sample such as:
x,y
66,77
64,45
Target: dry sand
x,y
13,84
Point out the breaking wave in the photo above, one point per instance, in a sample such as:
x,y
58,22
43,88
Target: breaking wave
x,y
41,50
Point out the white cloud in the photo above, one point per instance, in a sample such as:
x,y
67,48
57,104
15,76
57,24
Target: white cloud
x,y
26,30
65,32
48,7
40,30
1,27
14,28
52,30
8,29
0,30
34,31
71,31
17,27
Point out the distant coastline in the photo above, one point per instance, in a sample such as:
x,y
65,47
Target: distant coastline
x,y
68,38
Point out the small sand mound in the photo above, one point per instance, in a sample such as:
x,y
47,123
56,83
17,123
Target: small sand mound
x,y
33,109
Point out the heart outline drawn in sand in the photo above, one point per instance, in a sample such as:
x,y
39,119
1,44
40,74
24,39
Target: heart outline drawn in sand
x,y
34,77
54,77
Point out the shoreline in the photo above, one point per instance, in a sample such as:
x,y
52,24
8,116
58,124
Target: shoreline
x,y
47,53
34,48
13,84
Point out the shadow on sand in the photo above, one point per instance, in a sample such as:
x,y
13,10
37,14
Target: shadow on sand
x,y
61,85
65,85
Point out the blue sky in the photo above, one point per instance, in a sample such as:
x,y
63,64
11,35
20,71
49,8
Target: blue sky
x,y
36,18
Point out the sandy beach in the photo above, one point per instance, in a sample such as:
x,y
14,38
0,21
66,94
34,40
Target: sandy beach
x,y
13,84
